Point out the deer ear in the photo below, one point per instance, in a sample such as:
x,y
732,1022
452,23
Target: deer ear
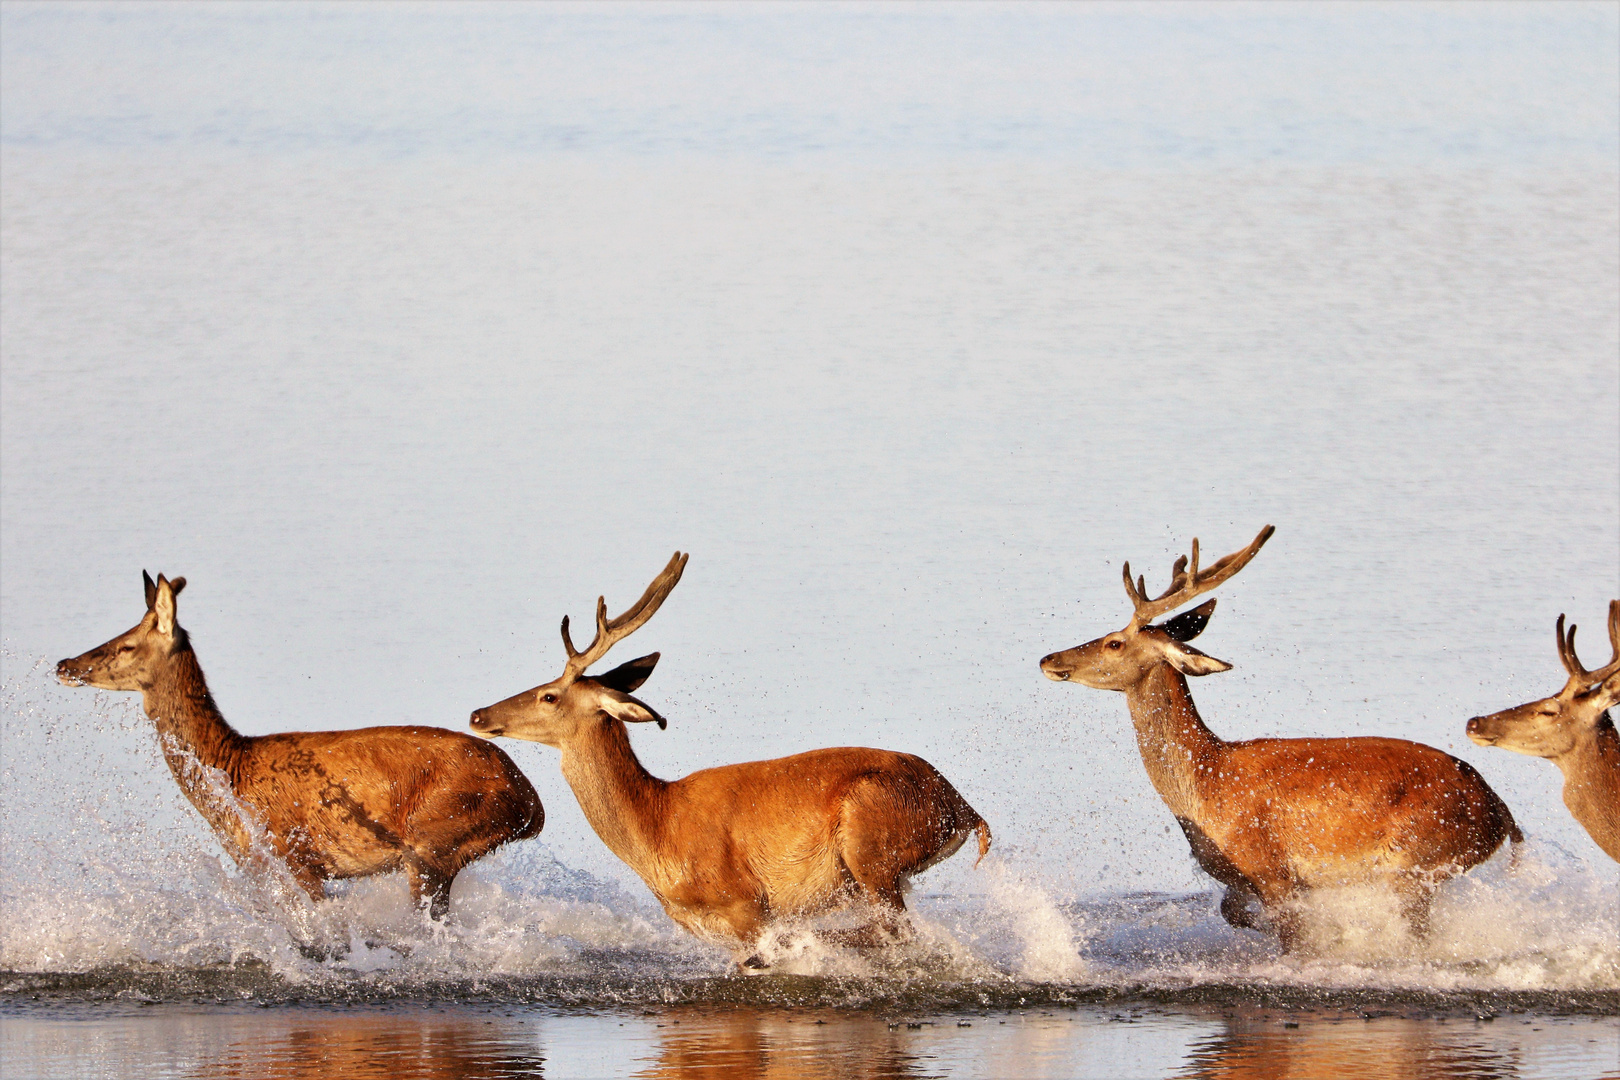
x,y
622,706
1189,661
630,674
1189,624
163,604
151,589
176,585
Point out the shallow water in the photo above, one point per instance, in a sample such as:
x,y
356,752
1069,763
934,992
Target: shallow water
x,y
911,325
1124,1038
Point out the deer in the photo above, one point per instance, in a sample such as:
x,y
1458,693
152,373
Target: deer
x,y
1272,819
1573,729
328,805
730,850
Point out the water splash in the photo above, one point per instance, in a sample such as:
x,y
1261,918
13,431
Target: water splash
x,y
104,867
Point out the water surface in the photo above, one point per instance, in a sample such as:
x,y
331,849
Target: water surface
x,y
402,332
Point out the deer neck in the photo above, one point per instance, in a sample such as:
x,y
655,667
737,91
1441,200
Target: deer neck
x,y
1179,751
189,722
1592,784
623,801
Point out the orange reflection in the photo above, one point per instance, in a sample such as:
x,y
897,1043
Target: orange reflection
x,y
1259,1047
698,1044
375,1047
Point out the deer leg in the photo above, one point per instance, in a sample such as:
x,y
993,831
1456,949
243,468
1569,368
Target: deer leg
x,y
889,923
1214,862
1276,891
880,844
1417,896
431,883
304,872
1235,906
314,886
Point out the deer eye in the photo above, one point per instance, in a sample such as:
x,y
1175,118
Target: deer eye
x,y
1116,644
126,648
549,699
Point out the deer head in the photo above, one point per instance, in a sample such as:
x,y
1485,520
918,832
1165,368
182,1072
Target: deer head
x,y
553,712
1120,660
1552,726
130,660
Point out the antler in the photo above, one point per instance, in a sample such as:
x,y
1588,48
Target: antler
x,y
1572,663
609,632
1187,581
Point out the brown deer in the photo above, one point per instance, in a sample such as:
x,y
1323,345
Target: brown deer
x,y
1574,730
329,804
1271,818
728,850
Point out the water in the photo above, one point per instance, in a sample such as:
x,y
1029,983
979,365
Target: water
x,y
403,332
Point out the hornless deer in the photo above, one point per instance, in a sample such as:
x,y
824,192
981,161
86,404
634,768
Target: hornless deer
x,y
728,850
1573,729
330,804
1270,818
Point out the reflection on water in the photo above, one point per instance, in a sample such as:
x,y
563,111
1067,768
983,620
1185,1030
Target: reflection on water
x,y
702,1045
373,1046
1390,1048
705,1043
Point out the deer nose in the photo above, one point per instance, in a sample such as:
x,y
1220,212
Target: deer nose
x,y
66,674
480,722
1476,731
1051,670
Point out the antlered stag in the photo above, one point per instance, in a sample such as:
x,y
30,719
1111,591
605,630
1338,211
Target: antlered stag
x,y
1573,729
330,804
1270,818
727,850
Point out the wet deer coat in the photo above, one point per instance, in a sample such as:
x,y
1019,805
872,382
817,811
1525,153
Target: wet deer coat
x,y
330,804
1269,818
727,850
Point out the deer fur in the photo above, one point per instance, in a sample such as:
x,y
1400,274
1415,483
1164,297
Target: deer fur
x,y
1273,818
1574,730
328,804
729,850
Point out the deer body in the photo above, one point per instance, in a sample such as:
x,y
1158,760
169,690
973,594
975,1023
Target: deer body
x,y
1280,815
330,805
1271,818
1574,730
728,850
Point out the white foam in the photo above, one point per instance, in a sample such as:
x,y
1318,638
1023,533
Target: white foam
x,y
105,863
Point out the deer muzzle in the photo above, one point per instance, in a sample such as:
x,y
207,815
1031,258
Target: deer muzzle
x,y
485,724
1477,731
73,671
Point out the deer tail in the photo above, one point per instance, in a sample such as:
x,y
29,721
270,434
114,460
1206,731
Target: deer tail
x,y
983,829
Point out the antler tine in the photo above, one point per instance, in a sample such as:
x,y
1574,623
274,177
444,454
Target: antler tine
x,y
1187,581
1566,650
1614,635
1572,662
1178,576
1614,644
610,632
1130,587
568,643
